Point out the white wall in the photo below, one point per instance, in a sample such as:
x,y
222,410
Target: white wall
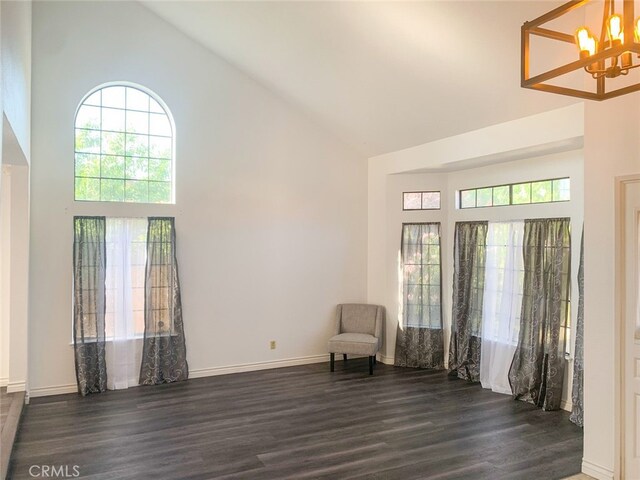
x,y
5,274
567,164
15,103
612,148
19,278
270,213
15,41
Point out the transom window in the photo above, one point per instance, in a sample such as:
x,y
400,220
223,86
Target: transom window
x,y
124,144
421,200
541,191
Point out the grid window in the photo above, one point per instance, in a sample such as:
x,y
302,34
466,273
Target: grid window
x,y
422,276
126,244
504,282
542,191
123,148
421,201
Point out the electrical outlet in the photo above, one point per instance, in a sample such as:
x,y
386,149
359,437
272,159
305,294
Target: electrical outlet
x,y
272,344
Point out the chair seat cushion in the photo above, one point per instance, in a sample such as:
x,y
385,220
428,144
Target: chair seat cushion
x,y
354,343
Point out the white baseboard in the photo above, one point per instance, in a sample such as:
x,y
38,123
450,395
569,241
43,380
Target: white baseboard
x,y
55,390
4,381
386,360
13,387
251,367
596,471
201,372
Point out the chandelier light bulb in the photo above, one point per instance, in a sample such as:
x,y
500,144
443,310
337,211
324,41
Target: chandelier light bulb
x,y
586,42
614,26
592,45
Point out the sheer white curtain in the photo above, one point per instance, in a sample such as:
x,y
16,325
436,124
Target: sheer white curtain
x,y
123,349
504,275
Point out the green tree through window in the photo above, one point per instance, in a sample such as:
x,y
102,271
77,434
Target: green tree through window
x,y
123,147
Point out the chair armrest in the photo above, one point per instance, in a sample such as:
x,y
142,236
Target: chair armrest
x,y
379,321
338,321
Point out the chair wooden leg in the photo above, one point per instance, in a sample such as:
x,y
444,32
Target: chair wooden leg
x,y
375,361
332,361
370,365
344,356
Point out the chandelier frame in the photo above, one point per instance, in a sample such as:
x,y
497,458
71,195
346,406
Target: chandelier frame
x,y
537,82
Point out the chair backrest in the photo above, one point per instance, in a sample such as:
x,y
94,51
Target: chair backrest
x,y
358,318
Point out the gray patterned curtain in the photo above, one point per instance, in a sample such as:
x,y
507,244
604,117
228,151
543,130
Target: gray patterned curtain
x,y
468,289
420,341
89,267
577,394
537,370
164,351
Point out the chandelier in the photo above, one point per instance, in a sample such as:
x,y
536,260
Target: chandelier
x,y
611,55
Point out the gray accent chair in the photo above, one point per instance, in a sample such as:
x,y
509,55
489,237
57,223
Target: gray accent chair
x,y
358,332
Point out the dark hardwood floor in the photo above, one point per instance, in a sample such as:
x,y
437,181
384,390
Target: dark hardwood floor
x,y
300,423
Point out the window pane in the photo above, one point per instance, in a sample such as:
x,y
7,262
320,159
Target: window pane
x,y
485,197
137,145
412,200
88,117
112,143
136,168
137,122
521,193
112,167
87,165
112,190
541,192
160,147
87,189
432,275
501,195
430,200
434,255
87,141
467,199
159,169
93,99
113,119
113,97
136,191
159,125
155,106
138,318
561,190
159,192
137,100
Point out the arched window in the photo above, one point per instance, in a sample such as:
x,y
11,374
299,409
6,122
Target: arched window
x,y
124,147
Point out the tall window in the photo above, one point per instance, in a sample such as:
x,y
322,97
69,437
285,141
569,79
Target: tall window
x,y
422,275
126,245
124,144
503,284
502,303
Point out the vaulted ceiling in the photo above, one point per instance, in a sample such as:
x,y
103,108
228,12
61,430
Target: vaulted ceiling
x,y
383,76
